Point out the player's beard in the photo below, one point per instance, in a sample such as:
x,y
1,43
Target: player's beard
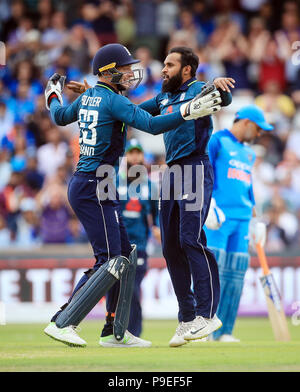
x,y
173,84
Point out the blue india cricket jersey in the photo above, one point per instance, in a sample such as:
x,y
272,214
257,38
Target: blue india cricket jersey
x,y
103,115
232,163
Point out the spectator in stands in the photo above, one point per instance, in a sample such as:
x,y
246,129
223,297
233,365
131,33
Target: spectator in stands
x,y
145,18
11,24
27,224
186,33
278,107
263,174
271,64
5,168
5,235
187,23
64,66
39,122
203,18
233,50
24,104
26,72
83,44
287,174
11,196
54,223
101,15
125,23
77,233
6,120
282,227
45,12
54,38
33,177
24,41
52,154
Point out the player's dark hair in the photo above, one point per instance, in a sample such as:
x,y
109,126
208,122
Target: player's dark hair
x,y
188,57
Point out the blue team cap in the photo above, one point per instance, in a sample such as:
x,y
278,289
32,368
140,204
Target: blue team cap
x,y
133,144
255,114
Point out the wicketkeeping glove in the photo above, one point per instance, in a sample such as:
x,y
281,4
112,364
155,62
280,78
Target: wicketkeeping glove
x,y
204,104
215,217
54,88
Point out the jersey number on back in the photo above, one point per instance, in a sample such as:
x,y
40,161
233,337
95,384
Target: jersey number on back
x,y
88,120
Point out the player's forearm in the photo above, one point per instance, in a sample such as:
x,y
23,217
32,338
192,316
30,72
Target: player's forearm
x,y
226,98
61,115
150,106
163,123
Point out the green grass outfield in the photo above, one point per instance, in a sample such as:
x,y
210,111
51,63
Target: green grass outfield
x,y
24,347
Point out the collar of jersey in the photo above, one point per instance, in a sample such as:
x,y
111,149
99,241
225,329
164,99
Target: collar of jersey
x,y
187,84
107,86
230,134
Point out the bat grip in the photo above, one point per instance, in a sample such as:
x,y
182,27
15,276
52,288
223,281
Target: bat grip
x,y
262,259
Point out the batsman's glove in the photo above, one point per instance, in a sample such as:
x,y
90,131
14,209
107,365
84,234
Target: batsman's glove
x,y
257,232
215,217
54,89
204,104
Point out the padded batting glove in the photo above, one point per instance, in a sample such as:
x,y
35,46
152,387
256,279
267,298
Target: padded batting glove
x,y
201,106
257,232
215,217
54,89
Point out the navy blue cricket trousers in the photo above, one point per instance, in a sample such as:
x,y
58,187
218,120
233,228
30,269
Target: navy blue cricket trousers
x,y
182,216
104,227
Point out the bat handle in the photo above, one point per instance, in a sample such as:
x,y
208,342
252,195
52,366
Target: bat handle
x,y
262,259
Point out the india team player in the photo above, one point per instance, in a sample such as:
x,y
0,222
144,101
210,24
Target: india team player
x,y
232,209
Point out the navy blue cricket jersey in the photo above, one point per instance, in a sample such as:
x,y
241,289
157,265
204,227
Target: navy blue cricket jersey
x,y
136,211
191,136
103,115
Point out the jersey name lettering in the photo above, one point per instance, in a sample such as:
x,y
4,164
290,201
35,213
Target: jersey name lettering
x,y
91,101
86,150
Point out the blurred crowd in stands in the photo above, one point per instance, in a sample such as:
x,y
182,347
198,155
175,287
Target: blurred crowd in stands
x,y
256,42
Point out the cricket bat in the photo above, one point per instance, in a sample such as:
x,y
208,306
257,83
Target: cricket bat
x,y
274,304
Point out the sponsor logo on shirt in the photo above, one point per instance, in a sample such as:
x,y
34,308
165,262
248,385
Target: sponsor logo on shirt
x,y
239,165
240,175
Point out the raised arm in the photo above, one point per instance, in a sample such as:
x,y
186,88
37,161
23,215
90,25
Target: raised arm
x,y
125,111
64,115
61,115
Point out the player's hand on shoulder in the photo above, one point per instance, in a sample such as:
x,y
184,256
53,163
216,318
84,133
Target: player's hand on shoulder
x,y
215,217
204,104
257,232
54,89
224,83
77,87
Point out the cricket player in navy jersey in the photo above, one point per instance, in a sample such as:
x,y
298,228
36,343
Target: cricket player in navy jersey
x,y
182,215
103,114
232,210
182,218
139,209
